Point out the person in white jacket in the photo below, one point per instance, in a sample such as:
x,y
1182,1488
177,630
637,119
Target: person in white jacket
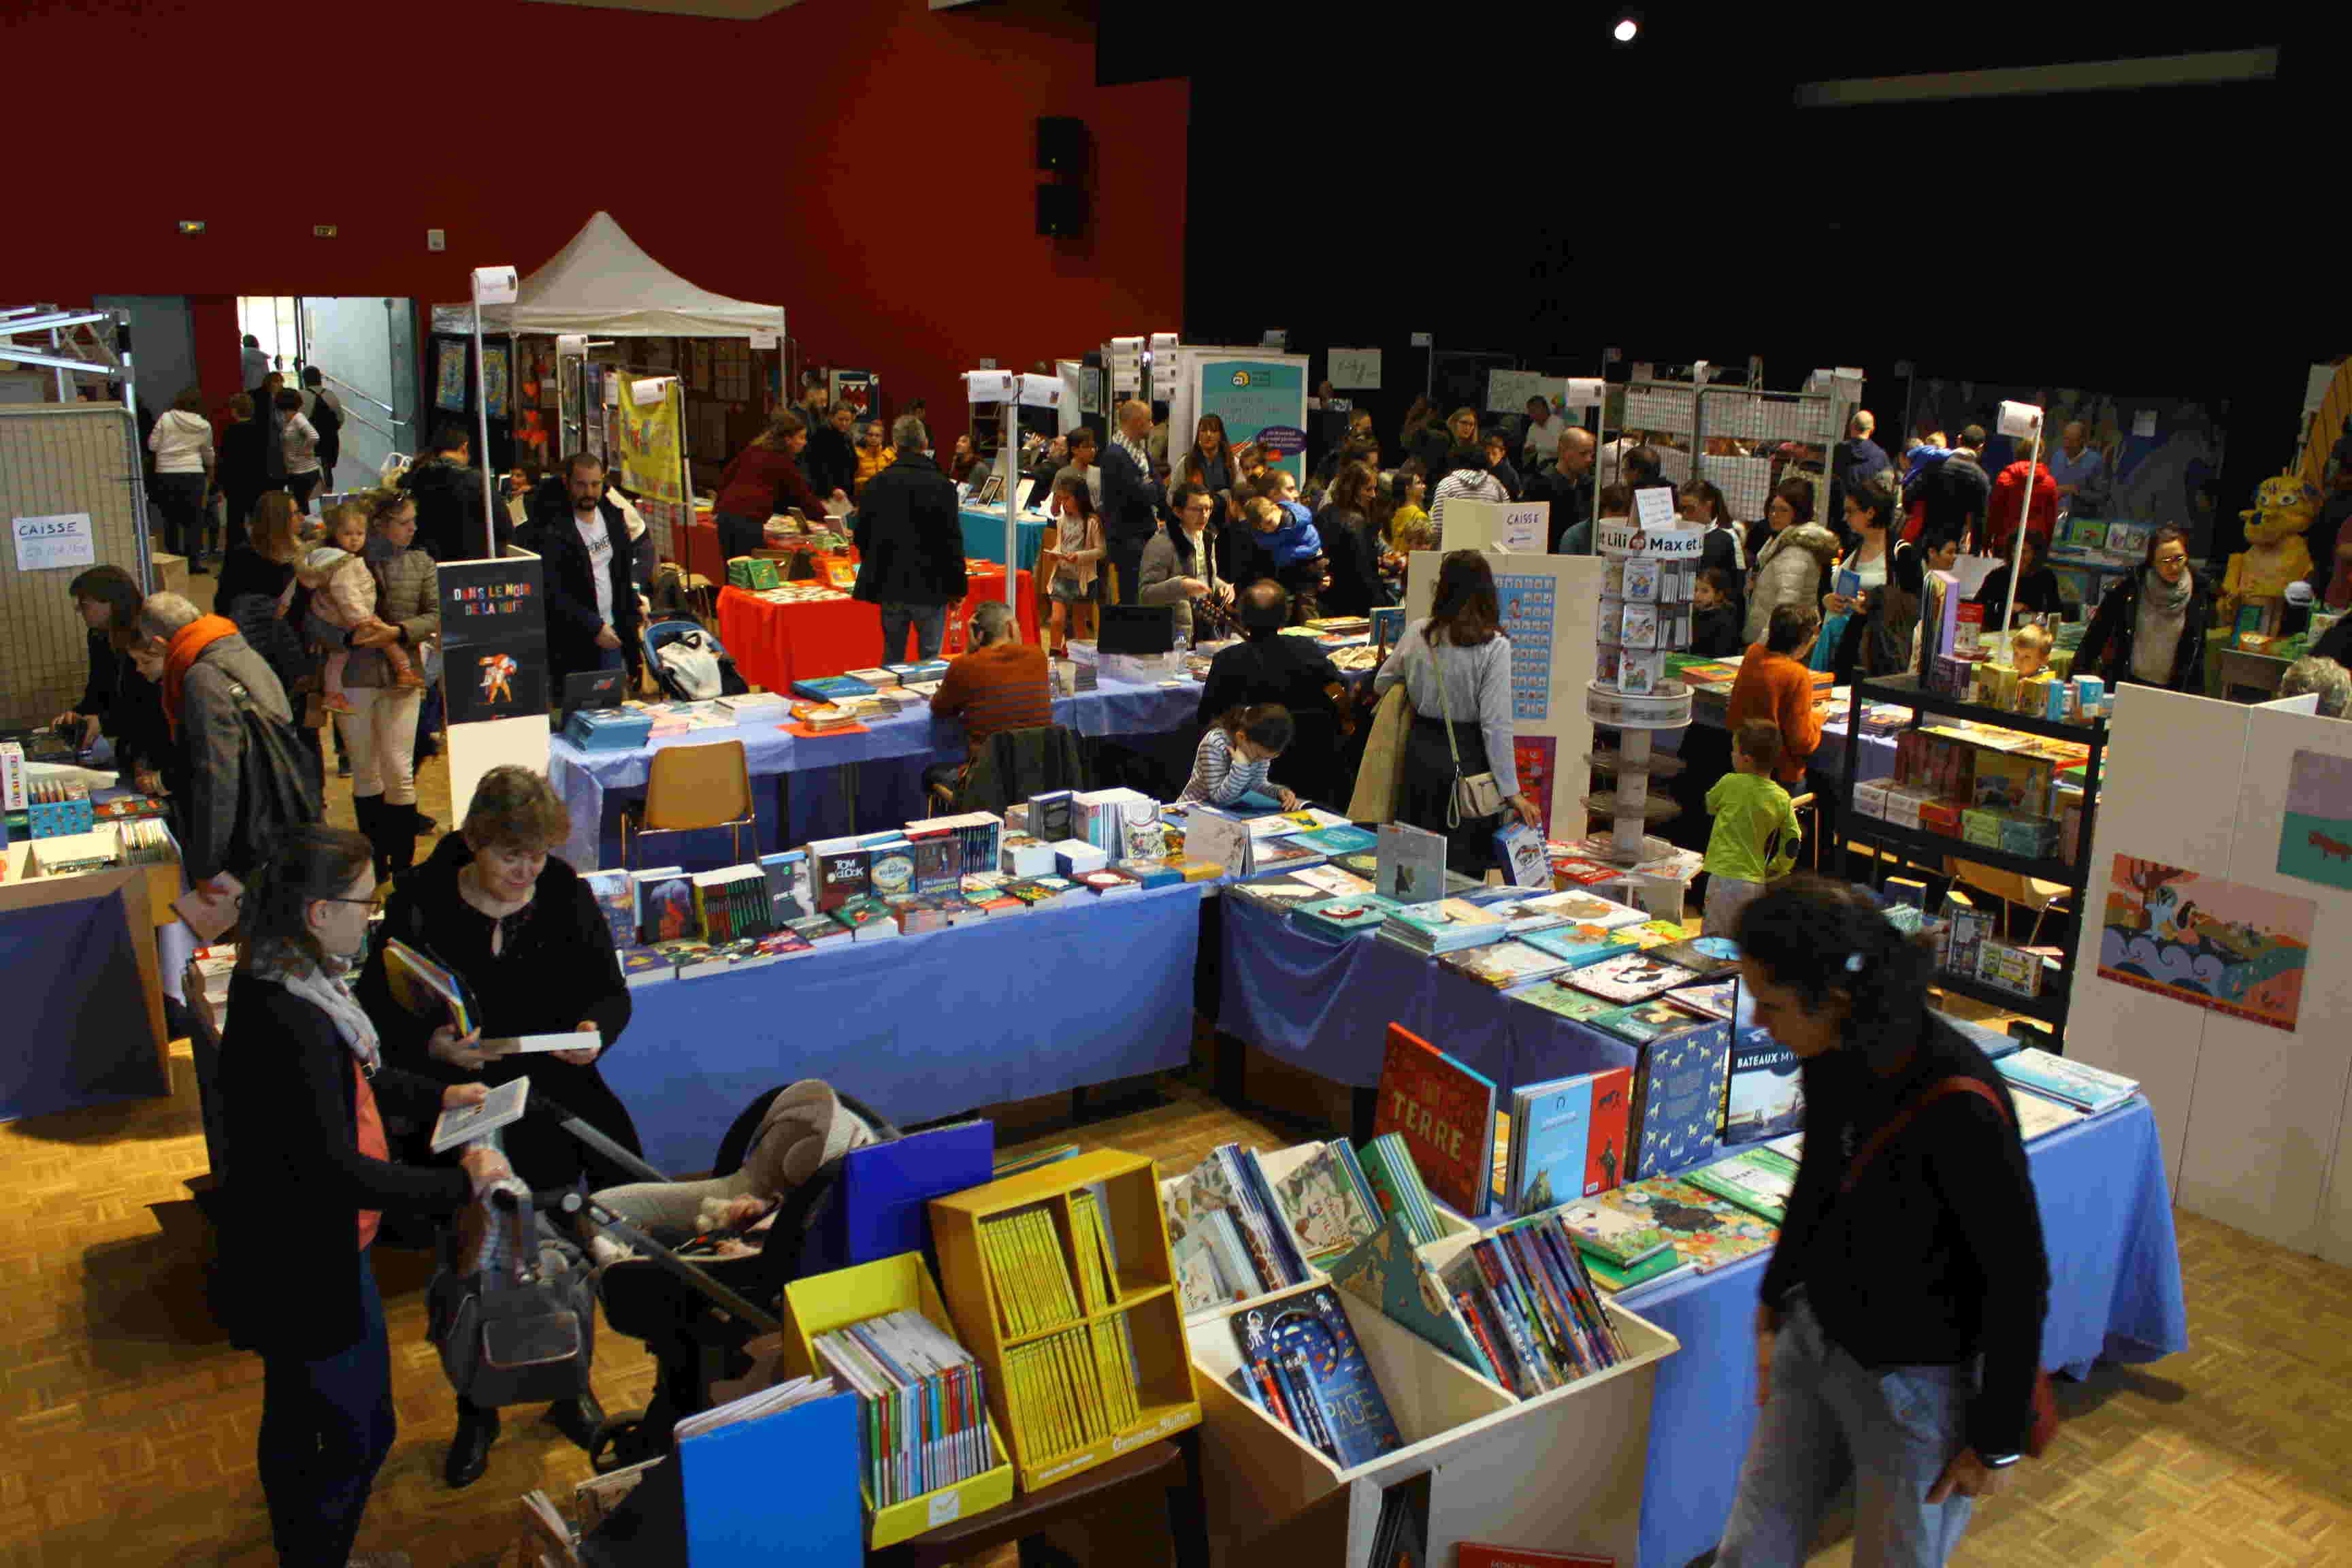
x,y
182,442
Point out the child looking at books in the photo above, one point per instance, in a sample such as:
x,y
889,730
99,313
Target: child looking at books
x,y
1077,552
1234,754
1756,831
1715,620
342,600
1287,534
2029,649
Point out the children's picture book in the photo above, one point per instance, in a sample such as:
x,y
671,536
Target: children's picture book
x,y
1614,1230
2206,941
1568,1139
1639,629
1678,1099
424,987
1347,840
1557,997
463,1124
1638,670
2316,836
1640,581
2064,1079
1521,849
1387,1275
1630,977
1504,964
1410,866
1707,1231
1704,956
1583,946
1324,1207
1758,1180
1444,1113
1716,999
1589,908
1643,1022
1304,1368
1768,1095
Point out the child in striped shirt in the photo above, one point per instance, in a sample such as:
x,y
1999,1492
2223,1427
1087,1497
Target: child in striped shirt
x,y
1235,753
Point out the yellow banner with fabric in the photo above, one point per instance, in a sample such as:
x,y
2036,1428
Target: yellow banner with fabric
x,y
652,414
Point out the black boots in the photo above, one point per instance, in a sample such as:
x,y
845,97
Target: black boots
x,y
391,831
469,1450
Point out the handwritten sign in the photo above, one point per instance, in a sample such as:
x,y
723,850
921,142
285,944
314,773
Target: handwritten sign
x,y
1525,530
1355,369
59,540
1654,506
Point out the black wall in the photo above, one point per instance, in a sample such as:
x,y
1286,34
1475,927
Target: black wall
x,y
1510,180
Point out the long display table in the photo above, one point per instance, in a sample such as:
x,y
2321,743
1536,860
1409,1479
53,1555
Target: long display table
x,y
919,1027
907,741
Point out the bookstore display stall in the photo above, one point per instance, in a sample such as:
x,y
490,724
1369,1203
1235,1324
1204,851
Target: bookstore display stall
x,y
808,630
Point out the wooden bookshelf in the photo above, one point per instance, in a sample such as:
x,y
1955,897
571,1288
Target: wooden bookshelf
x,y
1147,1313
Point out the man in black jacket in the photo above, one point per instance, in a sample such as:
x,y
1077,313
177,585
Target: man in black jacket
x,y
1568,487
325,413
1130,513
1266,667
591,606
449,491
910,539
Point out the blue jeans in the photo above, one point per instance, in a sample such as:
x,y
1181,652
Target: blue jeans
x,y
1891,1430
326,1426
930,626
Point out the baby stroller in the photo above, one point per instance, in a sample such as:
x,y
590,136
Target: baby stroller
x,y
696,1316
681,683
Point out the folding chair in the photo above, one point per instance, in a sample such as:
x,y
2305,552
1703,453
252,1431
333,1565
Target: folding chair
x,y
689,788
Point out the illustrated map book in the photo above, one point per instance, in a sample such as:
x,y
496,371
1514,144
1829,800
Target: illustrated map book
x,y
1301,1364
1568,1139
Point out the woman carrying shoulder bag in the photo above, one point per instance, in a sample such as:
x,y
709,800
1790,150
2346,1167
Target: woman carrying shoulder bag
x,y
1898,1336
1877,635
307,1097
1458,772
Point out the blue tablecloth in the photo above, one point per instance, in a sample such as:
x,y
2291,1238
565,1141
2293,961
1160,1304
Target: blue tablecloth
x,y
585,778
984,537
922,1026
1877,751
2115,1294
1324,1003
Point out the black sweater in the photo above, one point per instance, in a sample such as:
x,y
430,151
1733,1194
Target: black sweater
x,y
1935,1256
555,970
298,1180
1355,556
2037,593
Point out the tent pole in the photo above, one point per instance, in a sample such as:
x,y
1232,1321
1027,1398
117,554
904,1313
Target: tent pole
x,y
482,424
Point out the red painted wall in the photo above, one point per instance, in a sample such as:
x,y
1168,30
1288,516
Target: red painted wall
x,y
864,164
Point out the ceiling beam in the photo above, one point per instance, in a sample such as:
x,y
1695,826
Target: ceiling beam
x,y
2227,66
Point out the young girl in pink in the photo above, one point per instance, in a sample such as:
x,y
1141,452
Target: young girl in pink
x,y
342,597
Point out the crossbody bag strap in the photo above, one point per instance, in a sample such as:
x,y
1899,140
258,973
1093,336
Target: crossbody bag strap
x,y
1879,1139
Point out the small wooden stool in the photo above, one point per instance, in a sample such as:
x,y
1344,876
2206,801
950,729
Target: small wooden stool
x,y
1127,1485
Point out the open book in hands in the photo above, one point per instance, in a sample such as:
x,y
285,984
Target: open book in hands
x,y
210,907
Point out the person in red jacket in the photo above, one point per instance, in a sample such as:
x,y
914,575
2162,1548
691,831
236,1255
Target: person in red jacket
x,y
2010,500
764,479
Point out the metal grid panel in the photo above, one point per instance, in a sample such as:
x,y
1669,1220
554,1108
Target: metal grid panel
x,y
62,457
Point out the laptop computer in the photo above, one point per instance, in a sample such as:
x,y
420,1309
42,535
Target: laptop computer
x,y
592,688
1137,628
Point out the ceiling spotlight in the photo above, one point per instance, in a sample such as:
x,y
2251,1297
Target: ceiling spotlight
x,y
1624,30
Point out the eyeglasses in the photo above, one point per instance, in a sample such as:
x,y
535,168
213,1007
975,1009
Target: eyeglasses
x,y
363,903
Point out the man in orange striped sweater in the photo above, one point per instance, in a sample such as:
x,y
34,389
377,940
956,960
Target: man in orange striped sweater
x,y
1001,684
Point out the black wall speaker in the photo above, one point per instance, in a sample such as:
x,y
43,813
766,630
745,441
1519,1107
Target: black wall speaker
x,y
1061,209
1061,144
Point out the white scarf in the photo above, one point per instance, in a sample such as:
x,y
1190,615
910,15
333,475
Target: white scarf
x,y
332,995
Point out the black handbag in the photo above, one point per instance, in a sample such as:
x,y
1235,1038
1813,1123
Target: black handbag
x,y
520,1328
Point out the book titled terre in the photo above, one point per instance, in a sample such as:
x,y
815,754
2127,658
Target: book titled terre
x,y
1444,1113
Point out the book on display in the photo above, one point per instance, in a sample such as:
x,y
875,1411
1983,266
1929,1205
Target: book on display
x,y
2066,1080
1445,1115
1644,1021
1384,1272
1527,1298
1758,1179
616,901
1678,1099
1583,946
1630,977
1766,1098
1707,957
1410,863
1343,916
1445,925
1706,1231
1326,1204
1525,862
1397,1187
1302,1366
1504,964
1557,997
2037,1116
1568,1139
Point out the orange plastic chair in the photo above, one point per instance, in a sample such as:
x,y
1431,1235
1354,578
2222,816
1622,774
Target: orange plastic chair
x,y
690,788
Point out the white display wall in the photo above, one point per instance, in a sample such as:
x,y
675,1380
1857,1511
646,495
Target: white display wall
x,y
2255,1121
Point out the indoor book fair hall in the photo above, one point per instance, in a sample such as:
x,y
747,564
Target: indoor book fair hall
x,y
1608,823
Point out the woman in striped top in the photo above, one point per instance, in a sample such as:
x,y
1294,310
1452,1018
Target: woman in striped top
x,y
1234,754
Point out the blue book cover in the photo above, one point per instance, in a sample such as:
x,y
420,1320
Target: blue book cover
x,y
1580,945
1257,804
1307,1336
1388,624
727,1479
1336,840
1385,1273
1683,1081
1767,1097
833,689
877,1210
1551,1128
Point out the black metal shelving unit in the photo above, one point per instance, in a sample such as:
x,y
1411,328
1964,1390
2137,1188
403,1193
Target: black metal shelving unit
x,y
1927,851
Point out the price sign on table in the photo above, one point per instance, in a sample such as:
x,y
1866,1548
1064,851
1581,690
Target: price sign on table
x,y
46,544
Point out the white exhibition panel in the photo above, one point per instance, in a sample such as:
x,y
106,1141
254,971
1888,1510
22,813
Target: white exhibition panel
x,y
1576,614
2256,1123
476,749
2165,751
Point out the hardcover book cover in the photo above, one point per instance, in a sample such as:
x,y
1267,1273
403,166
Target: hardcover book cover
x,y
1504,964
1758,1180
665,907
1305,1351
1589,909
1614,1230
938,864
1679,1099
1387,1275
1630,977
1707,957
1566,1000
1572,1138
1767,1097
1410,865
792,890
1644,1021
1444,1113
617,897
841,877
1709,1232
1581,946
1320,1204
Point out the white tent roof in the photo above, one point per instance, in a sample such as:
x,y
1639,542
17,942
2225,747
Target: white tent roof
x,y
604,285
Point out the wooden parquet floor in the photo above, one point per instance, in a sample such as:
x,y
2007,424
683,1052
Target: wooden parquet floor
x,y
127,1426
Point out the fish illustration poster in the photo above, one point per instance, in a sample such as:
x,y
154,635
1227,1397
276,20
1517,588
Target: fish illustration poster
x,y
2316,836
2206,941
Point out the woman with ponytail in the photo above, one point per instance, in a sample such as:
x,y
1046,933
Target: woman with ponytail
x,y
306,1094
1899,1334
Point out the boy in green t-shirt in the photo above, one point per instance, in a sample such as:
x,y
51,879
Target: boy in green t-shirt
x,y
1756,831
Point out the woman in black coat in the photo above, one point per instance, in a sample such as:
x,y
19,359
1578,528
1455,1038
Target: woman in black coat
x,y
1350,544
2150,626
523,934
307,1098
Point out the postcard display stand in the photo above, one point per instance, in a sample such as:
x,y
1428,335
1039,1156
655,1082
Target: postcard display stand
x,y
1562,1470
2255,1121
1548,605
1645,614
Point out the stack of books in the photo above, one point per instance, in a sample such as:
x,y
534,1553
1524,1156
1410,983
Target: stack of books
x,y
1758,1178
2066,1081
1343,916
1532,1307
1445,925
1504,963
1395,1179
733,903
922,1406
1228,1240
833,689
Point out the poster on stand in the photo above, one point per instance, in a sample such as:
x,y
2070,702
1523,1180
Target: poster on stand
x,y
1253,394
648,437
493,640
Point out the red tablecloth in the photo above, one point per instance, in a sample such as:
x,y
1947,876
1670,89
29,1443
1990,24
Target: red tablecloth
x,y
775,645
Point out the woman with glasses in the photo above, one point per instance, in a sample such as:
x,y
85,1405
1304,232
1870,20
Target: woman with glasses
x,y
2150,627
530,943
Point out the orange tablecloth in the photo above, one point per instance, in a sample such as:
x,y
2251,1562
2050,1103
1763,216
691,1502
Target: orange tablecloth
x,y
775,645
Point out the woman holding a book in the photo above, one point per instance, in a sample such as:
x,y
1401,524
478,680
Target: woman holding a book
x,y
1899,1334
306,1090
1455,668
526,940
1873,599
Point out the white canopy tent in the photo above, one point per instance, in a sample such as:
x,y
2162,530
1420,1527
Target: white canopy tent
x,y
604,284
